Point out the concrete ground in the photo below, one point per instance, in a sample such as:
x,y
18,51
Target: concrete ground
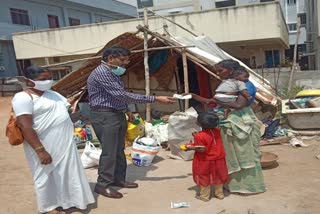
x,y
293,185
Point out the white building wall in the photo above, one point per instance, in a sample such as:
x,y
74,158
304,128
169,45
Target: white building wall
x,y
233,28
84,17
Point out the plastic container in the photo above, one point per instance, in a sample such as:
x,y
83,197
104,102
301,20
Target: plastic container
x,y
307,118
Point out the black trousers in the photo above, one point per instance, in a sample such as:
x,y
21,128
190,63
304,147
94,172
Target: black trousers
x,y
110,129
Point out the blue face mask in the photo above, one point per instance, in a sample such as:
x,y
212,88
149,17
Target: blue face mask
x,y
118,71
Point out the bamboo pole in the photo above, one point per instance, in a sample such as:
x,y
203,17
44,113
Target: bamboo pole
x,y
133,51
294,63
163,48
146,65
186,77
179,89
203,67
169,20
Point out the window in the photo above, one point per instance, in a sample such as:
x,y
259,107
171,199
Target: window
x,y
53,21
292,27
19,17
303,18
144,3
291,2
227,3
73,21
272,58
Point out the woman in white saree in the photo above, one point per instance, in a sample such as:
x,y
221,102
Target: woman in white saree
x,y
58,175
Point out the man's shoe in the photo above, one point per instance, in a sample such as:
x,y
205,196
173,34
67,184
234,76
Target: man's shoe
x,y
107,192
126,184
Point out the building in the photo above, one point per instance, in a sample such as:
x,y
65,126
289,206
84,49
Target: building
x,y
313,34
240,30
34,15
273,58
293,9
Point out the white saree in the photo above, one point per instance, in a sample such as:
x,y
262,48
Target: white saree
x,y
62,183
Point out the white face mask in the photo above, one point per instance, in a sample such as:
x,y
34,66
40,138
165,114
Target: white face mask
x,y
42,85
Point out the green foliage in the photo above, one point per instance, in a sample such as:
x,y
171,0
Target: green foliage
x,y
285,94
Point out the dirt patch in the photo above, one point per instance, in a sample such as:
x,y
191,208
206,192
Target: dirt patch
x,y
293,185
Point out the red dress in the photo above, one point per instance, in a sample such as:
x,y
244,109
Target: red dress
x,y
209,167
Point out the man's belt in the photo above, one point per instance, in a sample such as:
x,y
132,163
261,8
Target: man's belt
x,y
110,110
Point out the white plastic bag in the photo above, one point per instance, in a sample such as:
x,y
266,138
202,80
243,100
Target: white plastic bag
x,y
180,129
90,156
158,132
143,154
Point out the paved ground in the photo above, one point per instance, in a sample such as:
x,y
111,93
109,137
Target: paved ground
x,y
293,185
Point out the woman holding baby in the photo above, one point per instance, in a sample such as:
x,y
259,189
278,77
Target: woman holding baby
x,y
240,132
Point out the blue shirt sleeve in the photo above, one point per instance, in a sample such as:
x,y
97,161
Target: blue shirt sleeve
x,y
252,90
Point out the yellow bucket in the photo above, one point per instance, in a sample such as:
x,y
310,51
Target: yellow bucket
x,y
309,93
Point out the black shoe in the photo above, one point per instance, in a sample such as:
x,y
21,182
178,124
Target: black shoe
x,y
126,184
107,192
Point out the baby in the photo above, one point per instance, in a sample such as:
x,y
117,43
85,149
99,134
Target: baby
x,y
229,89
232,86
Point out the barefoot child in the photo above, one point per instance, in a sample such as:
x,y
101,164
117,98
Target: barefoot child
x,y
209,165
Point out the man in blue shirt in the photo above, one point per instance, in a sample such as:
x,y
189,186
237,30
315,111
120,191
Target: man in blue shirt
x,y
243,75
109,104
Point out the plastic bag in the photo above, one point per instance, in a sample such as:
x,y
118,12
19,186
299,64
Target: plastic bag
x,y
90,155
180,129
159,132
135,129
144,150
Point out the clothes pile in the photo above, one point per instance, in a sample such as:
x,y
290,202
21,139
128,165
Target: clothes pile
x,y
82,132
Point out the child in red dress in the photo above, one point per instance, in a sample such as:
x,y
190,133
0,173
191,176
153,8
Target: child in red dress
x,y
209,165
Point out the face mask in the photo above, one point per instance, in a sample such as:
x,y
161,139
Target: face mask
x,y
42,85
117,71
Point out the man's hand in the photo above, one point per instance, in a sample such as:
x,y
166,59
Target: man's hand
x,y
165,99
131,117
44,157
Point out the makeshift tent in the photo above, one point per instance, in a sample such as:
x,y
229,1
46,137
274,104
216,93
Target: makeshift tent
x,y
204,53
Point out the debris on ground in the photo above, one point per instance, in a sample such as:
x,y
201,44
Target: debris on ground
x,y
179,205
295,142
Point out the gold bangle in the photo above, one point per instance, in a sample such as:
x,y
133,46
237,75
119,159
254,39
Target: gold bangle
x,y
38,148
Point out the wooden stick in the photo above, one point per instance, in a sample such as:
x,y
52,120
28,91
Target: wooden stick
x,y
146,65
199,61
162,48
294,63
186,77
71,61
204,68
173,23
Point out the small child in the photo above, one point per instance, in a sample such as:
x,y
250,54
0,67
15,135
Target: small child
x,y
243,75
209,165
233,86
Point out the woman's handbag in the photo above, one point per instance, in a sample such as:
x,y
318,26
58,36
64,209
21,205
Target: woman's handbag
x,y
13,132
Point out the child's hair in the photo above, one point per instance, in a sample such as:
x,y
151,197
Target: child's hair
x,y
242,70
207,120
